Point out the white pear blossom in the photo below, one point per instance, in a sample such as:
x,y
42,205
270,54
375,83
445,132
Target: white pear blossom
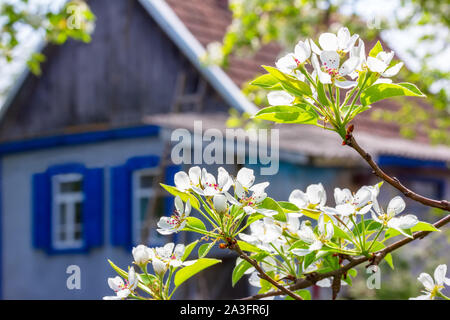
x,y
287,63
243,186
142,255
380,64
211,187
176,222
280,98
169,255
220,203
330,71
433,287
389,219
184,181
348,204
314,198
359,52
263,232
122,288
306,233
341,43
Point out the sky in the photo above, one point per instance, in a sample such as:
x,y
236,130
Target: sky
x,y
399,41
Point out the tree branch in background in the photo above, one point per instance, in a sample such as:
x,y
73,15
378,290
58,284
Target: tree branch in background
x,y
393,181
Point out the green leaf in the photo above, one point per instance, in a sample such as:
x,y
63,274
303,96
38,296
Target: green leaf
x,y
183,195
390,233
148,279
248,247
205,248
377,245
304,293
357,109
309,258
382,91
188,249
119,271
424,226
389,260
269,203
338,232
321,95
243,266
252,218
288,114
377,48
266,285
267,81
195,223
187,272
288,207
290,84
239,271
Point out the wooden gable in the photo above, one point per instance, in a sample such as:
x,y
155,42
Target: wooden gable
x,y
131,69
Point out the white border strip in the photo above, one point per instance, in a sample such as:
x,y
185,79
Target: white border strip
x,y
193,49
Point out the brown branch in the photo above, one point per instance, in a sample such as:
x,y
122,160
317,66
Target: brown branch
x,y
262,274
375,259
441,204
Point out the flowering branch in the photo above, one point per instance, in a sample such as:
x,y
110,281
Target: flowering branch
x,y
375,259
393,181
262,274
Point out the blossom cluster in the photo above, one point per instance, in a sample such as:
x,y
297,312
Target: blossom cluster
x,y
288,239
326,60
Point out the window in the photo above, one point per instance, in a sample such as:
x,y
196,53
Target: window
x,y
145,211
67,211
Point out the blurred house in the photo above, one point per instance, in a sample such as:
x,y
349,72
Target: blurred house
x,y
84,147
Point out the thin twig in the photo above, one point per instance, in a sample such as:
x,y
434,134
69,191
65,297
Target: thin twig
x,y
441,204
262,274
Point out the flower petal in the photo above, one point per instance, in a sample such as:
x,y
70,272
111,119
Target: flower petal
x,y
280,98
349,66
286,64
328,41
182,180
439,274
396,206
302,51
376,65
330,59
246,177
392,71
426,280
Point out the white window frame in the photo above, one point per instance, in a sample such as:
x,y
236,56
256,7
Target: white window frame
x,y
137,194
69,199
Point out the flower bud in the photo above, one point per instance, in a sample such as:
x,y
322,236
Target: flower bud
x,y
141,255
220,203
159,267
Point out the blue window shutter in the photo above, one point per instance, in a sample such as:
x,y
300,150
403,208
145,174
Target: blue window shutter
x,y
41,211
121,206
93,207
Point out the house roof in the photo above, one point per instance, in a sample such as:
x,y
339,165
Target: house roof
x,y
305,140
